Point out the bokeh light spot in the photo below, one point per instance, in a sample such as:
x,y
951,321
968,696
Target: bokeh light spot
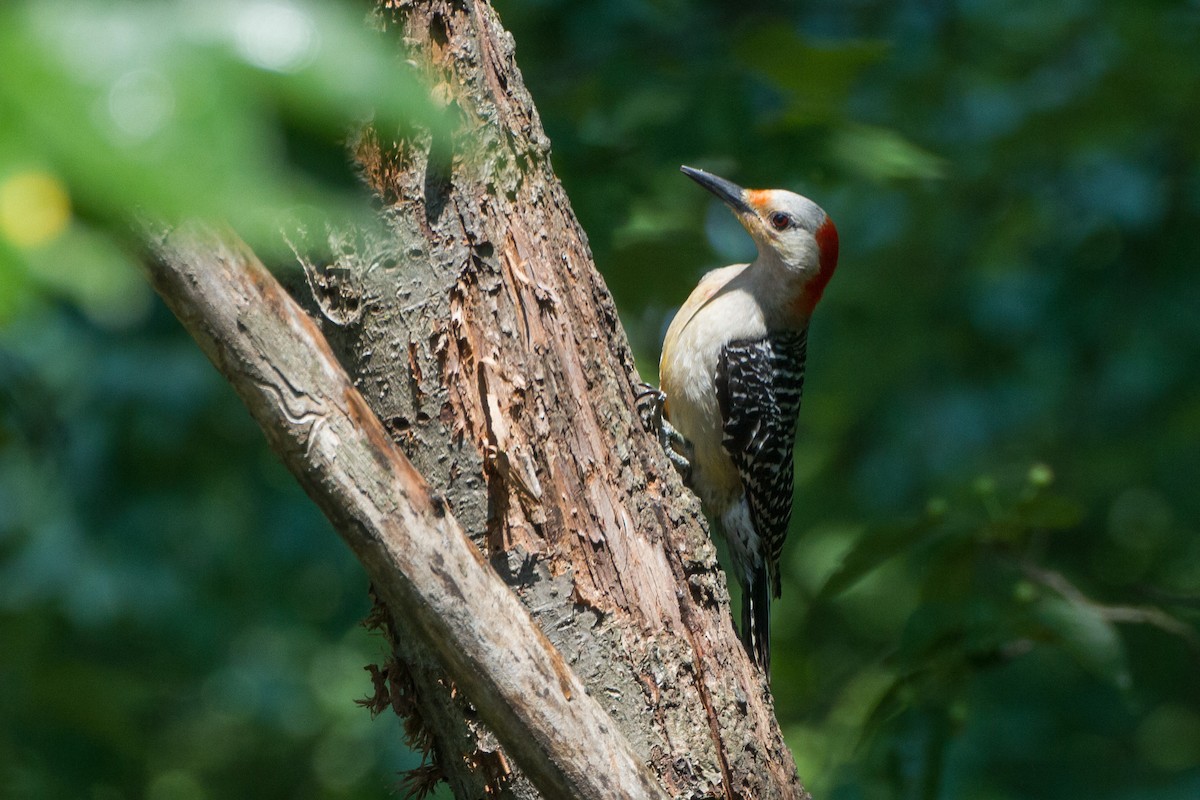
x,y
1169,738
275,36
34,208
140,104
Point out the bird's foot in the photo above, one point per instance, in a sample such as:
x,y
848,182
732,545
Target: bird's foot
x,y
650,402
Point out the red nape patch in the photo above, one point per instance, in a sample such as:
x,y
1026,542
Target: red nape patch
x,y
827,244
827,240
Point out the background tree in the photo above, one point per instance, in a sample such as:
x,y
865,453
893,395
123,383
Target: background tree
x,y
1003,384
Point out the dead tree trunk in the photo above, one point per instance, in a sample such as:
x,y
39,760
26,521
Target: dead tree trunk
x,y
479,331
494,354
420,560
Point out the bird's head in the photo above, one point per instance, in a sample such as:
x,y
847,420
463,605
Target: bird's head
x,y
788,229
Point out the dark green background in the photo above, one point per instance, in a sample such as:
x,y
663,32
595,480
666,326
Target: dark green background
x,y
992,582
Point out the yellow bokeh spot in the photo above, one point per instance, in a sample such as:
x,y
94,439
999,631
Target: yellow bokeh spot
x,y
34,208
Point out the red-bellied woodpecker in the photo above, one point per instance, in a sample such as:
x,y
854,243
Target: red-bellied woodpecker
x,y
731,376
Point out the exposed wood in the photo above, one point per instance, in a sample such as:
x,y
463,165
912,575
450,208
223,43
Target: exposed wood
x,y
420,561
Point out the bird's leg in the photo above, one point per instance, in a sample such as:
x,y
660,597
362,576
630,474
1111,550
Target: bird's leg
x,y
650,402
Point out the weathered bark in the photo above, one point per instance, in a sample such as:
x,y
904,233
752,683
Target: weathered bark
x,y
481,334
478,330
418,557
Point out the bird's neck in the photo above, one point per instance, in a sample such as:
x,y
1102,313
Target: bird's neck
x,y
789,293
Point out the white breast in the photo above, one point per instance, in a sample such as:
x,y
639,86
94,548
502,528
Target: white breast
x,y
716,313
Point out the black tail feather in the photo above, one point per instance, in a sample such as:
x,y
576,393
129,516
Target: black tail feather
x,y
756,620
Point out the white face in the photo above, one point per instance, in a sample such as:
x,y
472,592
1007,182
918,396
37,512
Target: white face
x,y
788,228
788,225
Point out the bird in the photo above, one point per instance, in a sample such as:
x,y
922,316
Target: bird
x,y
731,378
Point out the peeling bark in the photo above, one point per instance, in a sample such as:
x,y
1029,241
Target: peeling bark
x,y
480,332
416,553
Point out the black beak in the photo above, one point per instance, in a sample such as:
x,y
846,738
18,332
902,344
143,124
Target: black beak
x,y
730,193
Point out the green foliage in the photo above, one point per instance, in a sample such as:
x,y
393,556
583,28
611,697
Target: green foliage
x,y
991,585
1015,186
228,111
176,619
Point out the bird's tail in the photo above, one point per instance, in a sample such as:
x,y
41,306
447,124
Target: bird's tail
x,y
756,619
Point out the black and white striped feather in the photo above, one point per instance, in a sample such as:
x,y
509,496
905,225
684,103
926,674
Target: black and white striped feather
x,y
759,386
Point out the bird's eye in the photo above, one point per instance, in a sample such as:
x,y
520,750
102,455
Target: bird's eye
x,y
780,221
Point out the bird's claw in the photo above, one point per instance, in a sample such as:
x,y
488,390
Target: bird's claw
x,y
650,402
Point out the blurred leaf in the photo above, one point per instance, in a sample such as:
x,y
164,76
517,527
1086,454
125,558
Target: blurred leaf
x,y
1090,638
815,78
935,630
181,108
868,552
15,290
1006,529
1169,737
1051,512
881,154
90,269
890,705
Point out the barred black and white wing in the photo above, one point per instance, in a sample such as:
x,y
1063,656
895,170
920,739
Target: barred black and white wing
x,y
759,386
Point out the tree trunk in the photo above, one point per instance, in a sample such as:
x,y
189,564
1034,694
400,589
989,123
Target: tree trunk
x,y
479,331
414,550
487,341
